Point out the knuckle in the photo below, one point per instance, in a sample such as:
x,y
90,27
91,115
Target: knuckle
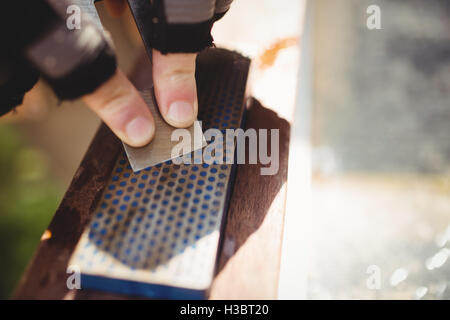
x,y
179,75
114,99
111,96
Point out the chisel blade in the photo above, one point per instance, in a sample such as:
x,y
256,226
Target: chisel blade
x,y
160,148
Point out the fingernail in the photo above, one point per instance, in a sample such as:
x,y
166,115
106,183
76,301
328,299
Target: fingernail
x,y
181,112
139,131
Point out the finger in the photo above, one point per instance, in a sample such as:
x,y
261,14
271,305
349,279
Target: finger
x,y
122,108
115,7
175,87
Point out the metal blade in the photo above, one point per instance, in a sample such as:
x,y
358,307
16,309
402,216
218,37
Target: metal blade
x,y
160,149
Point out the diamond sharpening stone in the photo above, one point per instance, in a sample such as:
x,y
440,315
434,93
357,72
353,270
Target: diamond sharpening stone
x,y
157,232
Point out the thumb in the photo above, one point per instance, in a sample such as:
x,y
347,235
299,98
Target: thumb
x,y
175,87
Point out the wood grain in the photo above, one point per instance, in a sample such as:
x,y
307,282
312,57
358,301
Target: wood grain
x,y
250,258
46,276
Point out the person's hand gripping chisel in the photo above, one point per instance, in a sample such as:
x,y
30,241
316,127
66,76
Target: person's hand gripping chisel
x,y
82,64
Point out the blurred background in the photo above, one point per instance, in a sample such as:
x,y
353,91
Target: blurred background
x,y
380,150
369,194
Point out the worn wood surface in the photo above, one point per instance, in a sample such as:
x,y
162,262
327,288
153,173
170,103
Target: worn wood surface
x,y
46,276
250,258
248,265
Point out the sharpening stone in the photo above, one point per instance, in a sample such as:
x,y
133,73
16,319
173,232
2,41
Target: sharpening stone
x,y
157,232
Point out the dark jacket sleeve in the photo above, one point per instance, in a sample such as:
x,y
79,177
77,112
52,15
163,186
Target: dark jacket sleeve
x,y
38,42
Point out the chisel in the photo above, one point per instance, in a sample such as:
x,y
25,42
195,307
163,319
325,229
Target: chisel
x,y
160,148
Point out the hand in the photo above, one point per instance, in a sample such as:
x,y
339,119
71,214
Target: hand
x,y
121,107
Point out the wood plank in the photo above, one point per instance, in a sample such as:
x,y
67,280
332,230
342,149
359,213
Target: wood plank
x,y
46,276
250,258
